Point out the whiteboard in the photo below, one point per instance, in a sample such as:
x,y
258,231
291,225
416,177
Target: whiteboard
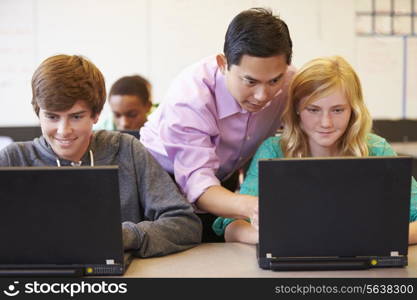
x,y
158,38
17,61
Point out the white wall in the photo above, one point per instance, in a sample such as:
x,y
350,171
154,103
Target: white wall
x,y
157,38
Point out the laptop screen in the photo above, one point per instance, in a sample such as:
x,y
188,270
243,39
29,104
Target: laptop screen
x,y
62,216
135,133
334,206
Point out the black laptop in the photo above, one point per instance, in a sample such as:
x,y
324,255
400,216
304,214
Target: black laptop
x,y
60,222
334,213
135,132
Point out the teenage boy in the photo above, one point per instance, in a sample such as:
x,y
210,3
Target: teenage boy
x,y
218,111
130,103
68,96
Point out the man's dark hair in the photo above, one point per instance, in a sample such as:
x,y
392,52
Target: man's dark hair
x,y
257,32
133,85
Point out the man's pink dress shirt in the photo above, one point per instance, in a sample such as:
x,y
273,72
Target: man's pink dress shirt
x,y
200,133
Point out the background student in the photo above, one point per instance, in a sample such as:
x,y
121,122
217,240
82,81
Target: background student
x,y
68,96
130,103
325,116
219,110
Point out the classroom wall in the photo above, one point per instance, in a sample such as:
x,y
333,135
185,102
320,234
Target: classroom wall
x,y
158,38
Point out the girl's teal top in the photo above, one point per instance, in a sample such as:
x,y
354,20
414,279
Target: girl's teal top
x,y
271,148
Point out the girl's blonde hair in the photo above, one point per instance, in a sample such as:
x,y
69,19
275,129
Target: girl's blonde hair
x,y
317,79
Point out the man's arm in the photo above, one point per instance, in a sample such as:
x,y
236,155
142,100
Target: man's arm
x,y
219,201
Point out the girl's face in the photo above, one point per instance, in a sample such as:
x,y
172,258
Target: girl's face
x,y
324,121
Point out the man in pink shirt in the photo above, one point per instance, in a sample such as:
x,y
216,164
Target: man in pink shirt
x,y
219,110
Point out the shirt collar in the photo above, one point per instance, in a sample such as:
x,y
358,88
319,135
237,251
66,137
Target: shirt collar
x,y
225,102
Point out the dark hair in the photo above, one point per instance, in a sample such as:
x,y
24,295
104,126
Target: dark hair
x,y
257,32
62,80
133,85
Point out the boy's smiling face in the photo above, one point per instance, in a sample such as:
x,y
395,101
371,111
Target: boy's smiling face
x,y
68,132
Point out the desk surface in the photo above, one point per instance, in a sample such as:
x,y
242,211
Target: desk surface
x,y
409,148
239,260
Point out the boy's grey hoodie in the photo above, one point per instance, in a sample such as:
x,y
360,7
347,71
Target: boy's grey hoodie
x,y
157,220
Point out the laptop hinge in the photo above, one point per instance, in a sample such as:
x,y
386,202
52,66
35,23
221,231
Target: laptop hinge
x,y
325,263
34,272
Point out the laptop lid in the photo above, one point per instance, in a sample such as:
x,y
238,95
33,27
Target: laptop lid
x,y
135,132
333,207
65,218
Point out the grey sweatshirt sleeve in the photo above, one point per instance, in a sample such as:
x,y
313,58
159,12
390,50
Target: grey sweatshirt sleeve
x,y
4,161
169,224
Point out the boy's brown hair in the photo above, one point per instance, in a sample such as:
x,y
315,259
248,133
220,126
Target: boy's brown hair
x,y
62,80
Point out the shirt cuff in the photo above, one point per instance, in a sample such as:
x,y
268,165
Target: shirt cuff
x,y
198,183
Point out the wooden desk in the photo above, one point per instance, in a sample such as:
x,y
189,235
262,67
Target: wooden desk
x,y
409,148
239,260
